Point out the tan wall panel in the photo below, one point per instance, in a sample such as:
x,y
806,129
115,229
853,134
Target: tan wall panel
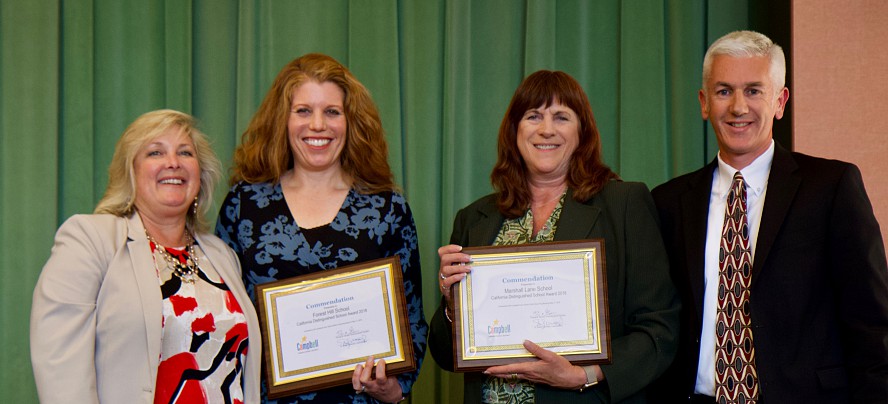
x,y
840,88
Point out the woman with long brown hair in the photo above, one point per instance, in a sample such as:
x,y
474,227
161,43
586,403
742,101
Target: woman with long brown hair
x,y
551,185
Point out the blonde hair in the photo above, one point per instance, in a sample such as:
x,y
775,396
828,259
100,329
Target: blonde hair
x,y
264,154
120,195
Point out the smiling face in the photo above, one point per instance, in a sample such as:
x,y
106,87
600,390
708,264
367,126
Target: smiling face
x,y
547,138
167,175
741,103
317,126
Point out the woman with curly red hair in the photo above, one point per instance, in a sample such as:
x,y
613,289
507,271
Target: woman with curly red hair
x,y
312,190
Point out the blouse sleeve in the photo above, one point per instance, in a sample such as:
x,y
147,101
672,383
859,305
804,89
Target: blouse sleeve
x,y
63,315
229,213
441,330
404,242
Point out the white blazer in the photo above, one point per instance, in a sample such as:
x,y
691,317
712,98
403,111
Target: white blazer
x,y
97,309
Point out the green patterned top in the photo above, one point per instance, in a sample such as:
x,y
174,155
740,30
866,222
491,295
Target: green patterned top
x,y
519,231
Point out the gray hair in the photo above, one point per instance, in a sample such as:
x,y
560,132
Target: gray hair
x,y
120,195
748,44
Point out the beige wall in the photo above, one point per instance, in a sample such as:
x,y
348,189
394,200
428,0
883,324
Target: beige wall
x,y
839,93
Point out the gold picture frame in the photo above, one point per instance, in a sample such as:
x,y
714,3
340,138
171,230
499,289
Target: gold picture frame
x,y
554,294
317,327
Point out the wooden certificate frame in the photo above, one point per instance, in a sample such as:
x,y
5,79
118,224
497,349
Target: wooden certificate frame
x,y
317,327
554,294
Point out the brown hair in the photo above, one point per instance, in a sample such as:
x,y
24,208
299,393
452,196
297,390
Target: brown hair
x,y
587,173
264,154
120,194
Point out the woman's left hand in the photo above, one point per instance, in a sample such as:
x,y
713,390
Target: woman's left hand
x,y
551,369
378,385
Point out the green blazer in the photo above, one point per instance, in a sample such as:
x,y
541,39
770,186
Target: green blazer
x,y
644,307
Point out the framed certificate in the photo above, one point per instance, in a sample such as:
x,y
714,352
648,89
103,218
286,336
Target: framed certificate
x,y
554,294
317,327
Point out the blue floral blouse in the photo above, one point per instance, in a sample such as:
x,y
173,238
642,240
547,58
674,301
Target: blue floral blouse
x,y
256,222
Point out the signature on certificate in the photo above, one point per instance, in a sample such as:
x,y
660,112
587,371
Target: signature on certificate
x,y
547,319
349,332
545,314
347,342
351,336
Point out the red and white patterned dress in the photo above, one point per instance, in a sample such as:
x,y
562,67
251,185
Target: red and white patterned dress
x,y
204,344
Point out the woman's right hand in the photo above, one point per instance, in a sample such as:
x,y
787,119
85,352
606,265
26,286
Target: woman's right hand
x,y
454,267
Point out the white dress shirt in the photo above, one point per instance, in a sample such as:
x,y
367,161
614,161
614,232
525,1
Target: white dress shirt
x,y
756,177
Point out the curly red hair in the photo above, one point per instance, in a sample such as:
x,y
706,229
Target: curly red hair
x,y
264,154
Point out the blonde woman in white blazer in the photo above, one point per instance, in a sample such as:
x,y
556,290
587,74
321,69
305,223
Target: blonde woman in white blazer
x,y
138,303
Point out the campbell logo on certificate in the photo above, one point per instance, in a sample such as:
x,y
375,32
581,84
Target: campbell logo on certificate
x,y
306,345
498,329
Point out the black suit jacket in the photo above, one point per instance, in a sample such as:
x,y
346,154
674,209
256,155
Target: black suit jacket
x,y
643,304
819,292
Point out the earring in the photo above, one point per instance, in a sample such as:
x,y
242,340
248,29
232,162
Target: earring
x,y
194,207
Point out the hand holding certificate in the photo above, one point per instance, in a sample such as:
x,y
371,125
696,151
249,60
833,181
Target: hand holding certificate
x,y
553,294
317,327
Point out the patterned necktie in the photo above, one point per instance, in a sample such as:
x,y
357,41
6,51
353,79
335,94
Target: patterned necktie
x,y
736,380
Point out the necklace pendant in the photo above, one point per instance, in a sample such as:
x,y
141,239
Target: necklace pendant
x,y
184,273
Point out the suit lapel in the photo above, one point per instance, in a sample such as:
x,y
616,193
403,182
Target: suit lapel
x,y
782,187
580,220
149,287
694,218
209,251
483,231
216,259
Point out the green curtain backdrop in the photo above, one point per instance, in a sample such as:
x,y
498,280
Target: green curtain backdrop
x,y
74,73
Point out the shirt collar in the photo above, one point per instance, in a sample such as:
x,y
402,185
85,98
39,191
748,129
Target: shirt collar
x,y
755,174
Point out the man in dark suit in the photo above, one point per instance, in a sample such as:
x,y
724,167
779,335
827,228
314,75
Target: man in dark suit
x,y
813,290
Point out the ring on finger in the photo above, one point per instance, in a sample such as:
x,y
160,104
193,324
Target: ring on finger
x,y
442,276
513,377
